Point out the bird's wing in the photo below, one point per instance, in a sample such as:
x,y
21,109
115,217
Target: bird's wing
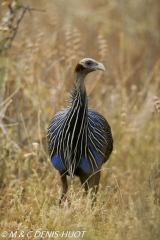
x,y
54,129
99,132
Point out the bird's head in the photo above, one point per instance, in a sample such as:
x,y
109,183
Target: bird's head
x,y
88,65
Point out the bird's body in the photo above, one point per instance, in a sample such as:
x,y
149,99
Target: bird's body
x,y
80,139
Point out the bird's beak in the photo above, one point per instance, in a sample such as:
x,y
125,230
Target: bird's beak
x,y
100,67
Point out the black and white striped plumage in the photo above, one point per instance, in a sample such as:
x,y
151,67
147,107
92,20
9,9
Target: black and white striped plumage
x,y
80,139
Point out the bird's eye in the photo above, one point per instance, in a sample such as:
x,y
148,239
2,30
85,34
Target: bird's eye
x,y
88,63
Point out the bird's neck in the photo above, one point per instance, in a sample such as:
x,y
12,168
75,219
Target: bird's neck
x,y
79,95
80,81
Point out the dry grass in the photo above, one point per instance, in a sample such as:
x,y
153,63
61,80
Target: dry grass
x,y
36,77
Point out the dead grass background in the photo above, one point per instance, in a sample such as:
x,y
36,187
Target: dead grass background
x,y
36,78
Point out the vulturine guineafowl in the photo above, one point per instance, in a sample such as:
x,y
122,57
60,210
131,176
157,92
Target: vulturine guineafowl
x,y
80,139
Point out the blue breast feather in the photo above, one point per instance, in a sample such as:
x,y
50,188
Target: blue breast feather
x,y
95,122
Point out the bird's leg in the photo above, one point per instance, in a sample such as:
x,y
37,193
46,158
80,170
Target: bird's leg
x,y
96,181
96,177
90,182
84,181
64,186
